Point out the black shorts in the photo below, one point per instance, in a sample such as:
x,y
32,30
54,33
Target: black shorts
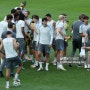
x,y
13,61
77,44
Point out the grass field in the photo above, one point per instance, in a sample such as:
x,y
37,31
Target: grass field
x,y
74,78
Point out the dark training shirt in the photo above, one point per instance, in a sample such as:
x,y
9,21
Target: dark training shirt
x,y
75,27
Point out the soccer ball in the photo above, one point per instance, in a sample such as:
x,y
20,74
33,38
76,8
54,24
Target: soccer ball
x,y
16,83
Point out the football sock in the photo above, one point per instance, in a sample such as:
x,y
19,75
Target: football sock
x,y
16,76
7,83
47,64
40,63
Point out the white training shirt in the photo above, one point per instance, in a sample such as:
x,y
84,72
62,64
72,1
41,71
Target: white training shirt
x,y
26,29
9,47
45,35
50,23
40,21
3,27
19,25
37,26
60,25
83,29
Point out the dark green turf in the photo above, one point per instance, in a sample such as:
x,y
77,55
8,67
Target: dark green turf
x,y
73,79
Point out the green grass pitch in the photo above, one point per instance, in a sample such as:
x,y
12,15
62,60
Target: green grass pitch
x,y
74,78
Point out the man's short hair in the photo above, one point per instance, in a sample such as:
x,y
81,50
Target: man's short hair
x,y
44,19
13,11
10,25
21,16
8,32
48,15
9,16
86,17
35,16
28,12
81,16
16,15
18,8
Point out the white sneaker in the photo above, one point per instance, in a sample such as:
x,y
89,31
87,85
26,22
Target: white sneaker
x,y
40,69
85,66
54,62
7,87
46,69
33,66
60,67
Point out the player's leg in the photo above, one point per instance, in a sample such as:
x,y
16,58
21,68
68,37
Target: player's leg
x,y
31,46
47,51
47,61
80,58
26,52
55,53
31,52
74,47
36,58
8,67
7,77
12,71
19,63
40,60
40,50
22,49
57,48
35,55
65,50
61,58
44,56
61,44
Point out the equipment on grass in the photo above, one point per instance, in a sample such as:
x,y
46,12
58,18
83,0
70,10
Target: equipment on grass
x,y
16,83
